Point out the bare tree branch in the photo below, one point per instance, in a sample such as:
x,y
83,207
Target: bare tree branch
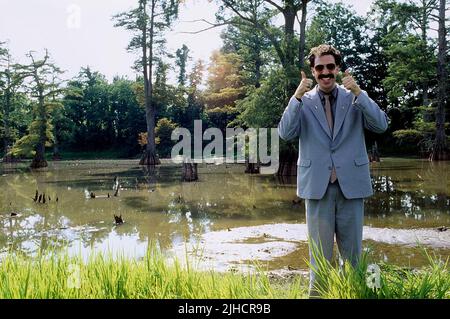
x,y
206,29
275,5
198,20
434,17
231,7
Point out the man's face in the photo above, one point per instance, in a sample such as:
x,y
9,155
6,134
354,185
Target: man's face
x,y
325,71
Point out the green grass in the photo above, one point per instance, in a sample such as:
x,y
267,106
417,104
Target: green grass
x,y
347,282
106,277
102,276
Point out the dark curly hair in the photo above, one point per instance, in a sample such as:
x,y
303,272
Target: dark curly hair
x,y
324,49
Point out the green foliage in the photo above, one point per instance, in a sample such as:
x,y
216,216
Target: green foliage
x,y
340,26
45,88
182,55
411,64
250,79
225,87
187,102
13,103
252,46
163,133
221,117
264,106
19,118
138,19
26,145
165,96
422,134
408,137
102,115
89,107
148,22
260,16
129,116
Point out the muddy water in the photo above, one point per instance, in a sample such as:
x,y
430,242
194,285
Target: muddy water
x,y
233,218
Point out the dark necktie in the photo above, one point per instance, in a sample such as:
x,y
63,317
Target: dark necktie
x,y
330,124
328,112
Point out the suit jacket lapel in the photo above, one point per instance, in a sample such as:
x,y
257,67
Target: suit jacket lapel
x,y
342,106
318,111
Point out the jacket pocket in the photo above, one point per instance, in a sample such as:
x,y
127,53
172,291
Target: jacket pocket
x,y
361,161
304,162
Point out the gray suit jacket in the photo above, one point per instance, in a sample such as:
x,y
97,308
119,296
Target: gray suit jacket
x,y
319,150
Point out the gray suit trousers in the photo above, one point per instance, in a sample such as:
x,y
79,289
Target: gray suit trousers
x,y
330,215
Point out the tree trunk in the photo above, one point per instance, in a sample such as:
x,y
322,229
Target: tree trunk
x,y
39,157
290,65
149,156
288,160
424,28
189,171
258,64
440,148
56,155
425,99
8,158
301,46
374,155
287,168
6,140
289,21
251,168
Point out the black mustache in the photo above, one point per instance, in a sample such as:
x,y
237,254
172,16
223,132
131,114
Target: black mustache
x,y
324,76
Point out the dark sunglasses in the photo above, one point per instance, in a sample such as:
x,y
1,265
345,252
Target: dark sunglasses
x,y
320,67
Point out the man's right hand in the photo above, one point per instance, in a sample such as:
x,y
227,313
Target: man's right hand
x,y
305,86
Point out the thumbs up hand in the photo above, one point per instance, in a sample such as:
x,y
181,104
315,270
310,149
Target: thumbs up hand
x,y
304,86
349,83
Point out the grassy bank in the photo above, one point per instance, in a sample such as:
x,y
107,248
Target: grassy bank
x,y
60,276
383,281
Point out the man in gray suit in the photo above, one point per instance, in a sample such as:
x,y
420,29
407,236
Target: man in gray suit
x,y
333,167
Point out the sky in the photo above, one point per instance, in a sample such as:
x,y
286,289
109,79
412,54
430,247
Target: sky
x,y
78,33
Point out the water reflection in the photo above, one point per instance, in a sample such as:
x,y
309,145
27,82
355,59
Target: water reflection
x,y
412,193
412,204
155,204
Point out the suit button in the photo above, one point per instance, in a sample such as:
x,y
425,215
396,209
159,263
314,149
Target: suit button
x,y
333,151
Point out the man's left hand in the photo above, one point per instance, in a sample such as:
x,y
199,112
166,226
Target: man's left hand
x,y
349,83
